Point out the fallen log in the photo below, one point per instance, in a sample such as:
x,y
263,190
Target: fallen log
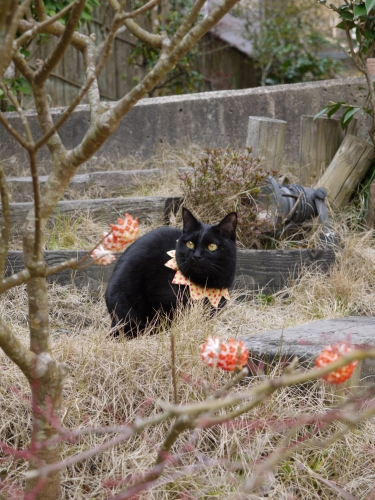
x,y
349,165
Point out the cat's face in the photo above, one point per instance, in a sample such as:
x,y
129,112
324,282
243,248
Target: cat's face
x,y
207,254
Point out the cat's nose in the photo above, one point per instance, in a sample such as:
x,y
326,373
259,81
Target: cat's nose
x,y
197,255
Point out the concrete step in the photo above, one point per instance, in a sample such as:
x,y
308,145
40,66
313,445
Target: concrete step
x,y
153,209
94,184
307,341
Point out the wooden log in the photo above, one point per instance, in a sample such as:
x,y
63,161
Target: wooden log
x,y
349,165
110,183
268,271
266,137
370,217
261,271
320,139
147,209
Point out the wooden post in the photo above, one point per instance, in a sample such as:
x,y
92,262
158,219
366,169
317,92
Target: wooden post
x,y
320,139
349,165
370,217
266,137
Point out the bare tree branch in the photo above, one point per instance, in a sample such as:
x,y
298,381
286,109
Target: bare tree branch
x,y
187,412
88,54
91,76
17,352
10,17
40,27
54,143
283,451
40,9
53,59
149,5
14,132
13,99
14,280
109,121
136,30
5,229
142,35
78,40
23,67
37,254
127,432
188,22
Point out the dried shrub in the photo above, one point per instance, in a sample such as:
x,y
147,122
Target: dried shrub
x,y
222,181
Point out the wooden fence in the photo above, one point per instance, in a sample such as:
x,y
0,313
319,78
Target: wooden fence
x,y
222,66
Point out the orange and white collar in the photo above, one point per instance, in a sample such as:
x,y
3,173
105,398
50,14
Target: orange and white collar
x,y
196,291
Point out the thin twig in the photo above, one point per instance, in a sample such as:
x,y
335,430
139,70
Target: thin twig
x,y
173,367
106,52
293,209
14,132
13,99
149,5
5,226
136,428
281,452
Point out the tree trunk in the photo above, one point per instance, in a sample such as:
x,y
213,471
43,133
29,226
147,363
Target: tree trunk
x,y
47,381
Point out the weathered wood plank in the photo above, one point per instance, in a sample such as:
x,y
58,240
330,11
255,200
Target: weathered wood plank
x,y
268,271
320,139
109,183
266,137
370,217
263,271
349,165
147,209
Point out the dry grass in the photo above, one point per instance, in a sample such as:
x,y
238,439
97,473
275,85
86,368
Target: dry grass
x,y
113,382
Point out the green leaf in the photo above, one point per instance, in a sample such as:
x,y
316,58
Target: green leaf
x,y
24,90
347,117
370,4
25,52
344,24
334,109
347,15
360,10
321,112
370,34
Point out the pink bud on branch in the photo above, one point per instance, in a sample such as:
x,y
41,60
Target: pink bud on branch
x,y
121,235
229,356
332,353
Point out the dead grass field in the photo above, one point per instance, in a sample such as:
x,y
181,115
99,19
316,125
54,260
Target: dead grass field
x,y
114,382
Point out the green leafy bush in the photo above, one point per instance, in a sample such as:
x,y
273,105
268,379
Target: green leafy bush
x,y
222,181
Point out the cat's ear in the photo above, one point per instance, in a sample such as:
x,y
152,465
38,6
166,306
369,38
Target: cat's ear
x,y
227,226
190,222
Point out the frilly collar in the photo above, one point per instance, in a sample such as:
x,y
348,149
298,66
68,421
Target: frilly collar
x,y
196,291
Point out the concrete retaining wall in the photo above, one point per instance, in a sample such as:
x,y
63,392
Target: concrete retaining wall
x,y
209,119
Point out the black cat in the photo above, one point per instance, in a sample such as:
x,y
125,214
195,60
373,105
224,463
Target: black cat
x,y
141,284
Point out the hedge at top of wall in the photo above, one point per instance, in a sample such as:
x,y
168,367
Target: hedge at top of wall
x,y
208,119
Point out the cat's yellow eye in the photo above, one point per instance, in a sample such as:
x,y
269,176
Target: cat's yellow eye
x,y
212,247
190,245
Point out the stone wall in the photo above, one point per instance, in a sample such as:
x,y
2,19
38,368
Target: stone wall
x,y
209,119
